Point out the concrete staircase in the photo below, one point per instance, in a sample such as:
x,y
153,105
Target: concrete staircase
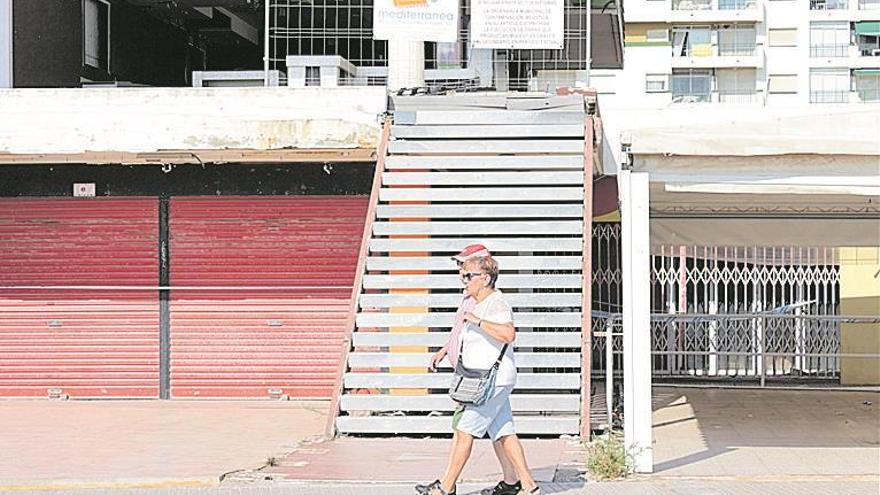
x,y
507,172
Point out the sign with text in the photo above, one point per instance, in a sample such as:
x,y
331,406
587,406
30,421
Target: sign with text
x,y
84,190
416,20
517,24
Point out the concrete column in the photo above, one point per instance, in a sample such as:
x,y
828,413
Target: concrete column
x,y
860,296
406,64
635,251
5,43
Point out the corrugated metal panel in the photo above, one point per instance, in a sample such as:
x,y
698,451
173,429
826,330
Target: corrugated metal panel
x,y
286,266
86,342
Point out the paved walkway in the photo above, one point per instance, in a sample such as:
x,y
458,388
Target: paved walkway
x,y
68,443
636,487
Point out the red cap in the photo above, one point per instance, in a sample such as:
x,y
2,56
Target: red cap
x,y
472,251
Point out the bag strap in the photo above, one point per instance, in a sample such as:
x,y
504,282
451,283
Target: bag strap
x,y
501,356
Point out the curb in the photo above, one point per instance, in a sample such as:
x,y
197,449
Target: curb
x,y
119,484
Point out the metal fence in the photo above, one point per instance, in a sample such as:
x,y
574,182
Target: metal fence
x,y
727,313
345,28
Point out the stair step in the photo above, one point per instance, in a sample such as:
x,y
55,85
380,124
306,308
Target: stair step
x,y
570,340
423,359
525,300
482,178
538,381
540,281
508,162
487,131
495,245
445,320
486,146
506,263
442,402
529,425
575,227
481,211
470,118
482,194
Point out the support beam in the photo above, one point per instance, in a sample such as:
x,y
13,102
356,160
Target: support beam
x,y
406,64
635,251
5,43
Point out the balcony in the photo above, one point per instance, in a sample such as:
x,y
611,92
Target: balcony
x,y
829,51
716,11
725,55
839,96
828,4
867,84
869,4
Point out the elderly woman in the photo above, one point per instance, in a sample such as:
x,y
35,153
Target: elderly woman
x,y
490,327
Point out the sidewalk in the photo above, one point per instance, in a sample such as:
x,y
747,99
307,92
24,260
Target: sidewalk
x,y
146,443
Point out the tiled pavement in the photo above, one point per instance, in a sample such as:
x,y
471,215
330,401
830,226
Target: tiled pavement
x,y
635,487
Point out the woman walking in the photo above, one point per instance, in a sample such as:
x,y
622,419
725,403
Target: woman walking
x,y
486,340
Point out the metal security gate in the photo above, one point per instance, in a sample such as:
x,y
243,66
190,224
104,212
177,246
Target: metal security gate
x,y
261,290
730,313
79,313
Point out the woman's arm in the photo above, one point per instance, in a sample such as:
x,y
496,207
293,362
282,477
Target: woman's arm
x,y
505,332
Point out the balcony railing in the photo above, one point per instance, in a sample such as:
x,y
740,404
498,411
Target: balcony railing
x,y
736,4
869,95
737,49
828,4
691,4
737,96
869,4
829,50
871,50
838,96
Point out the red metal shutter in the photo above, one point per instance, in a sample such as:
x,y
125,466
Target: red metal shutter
x,y
282,269
85,342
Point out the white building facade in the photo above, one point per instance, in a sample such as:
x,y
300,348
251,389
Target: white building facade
x,y
761,52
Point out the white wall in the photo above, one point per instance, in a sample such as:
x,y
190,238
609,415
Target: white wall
x,y
5,43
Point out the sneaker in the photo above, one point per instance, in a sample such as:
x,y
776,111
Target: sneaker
x,y
534,491
502,488
430,488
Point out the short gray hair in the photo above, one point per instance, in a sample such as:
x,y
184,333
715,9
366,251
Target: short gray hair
x,y
487,265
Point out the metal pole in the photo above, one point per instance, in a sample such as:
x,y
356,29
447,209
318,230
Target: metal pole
x,y
266,25
609,371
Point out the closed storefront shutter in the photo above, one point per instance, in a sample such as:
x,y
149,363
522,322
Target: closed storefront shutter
x,y
261,289
79,312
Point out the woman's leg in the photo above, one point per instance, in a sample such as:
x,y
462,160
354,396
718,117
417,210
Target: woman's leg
x,y
506,466
462,443
513,449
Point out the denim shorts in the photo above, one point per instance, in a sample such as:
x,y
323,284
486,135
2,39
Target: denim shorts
x,y
494,417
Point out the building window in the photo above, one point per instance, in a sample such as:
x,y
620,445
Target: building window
x,y
828,4
867,83
736,85
691,4
692,41
96,34
782,84
829,85
657,35
736,40
691,86
736,4
656,83
786,37
829,39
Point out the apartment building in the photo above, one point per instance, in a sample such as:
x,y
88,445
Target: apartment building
x,y
764,52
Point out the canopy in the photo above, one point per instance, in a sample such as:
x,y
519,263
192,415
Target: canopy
x,y
868,28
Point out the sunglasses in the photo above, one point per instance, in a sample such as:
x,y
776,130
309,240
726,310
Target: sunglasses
x,y
470,275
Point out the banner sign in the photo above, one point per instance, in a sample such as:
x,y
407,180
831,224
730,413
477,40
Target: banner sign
x,y
517,24
416,20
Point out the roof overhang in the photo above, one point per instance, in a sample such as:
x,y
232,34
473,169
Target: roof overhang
x,y
190,125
